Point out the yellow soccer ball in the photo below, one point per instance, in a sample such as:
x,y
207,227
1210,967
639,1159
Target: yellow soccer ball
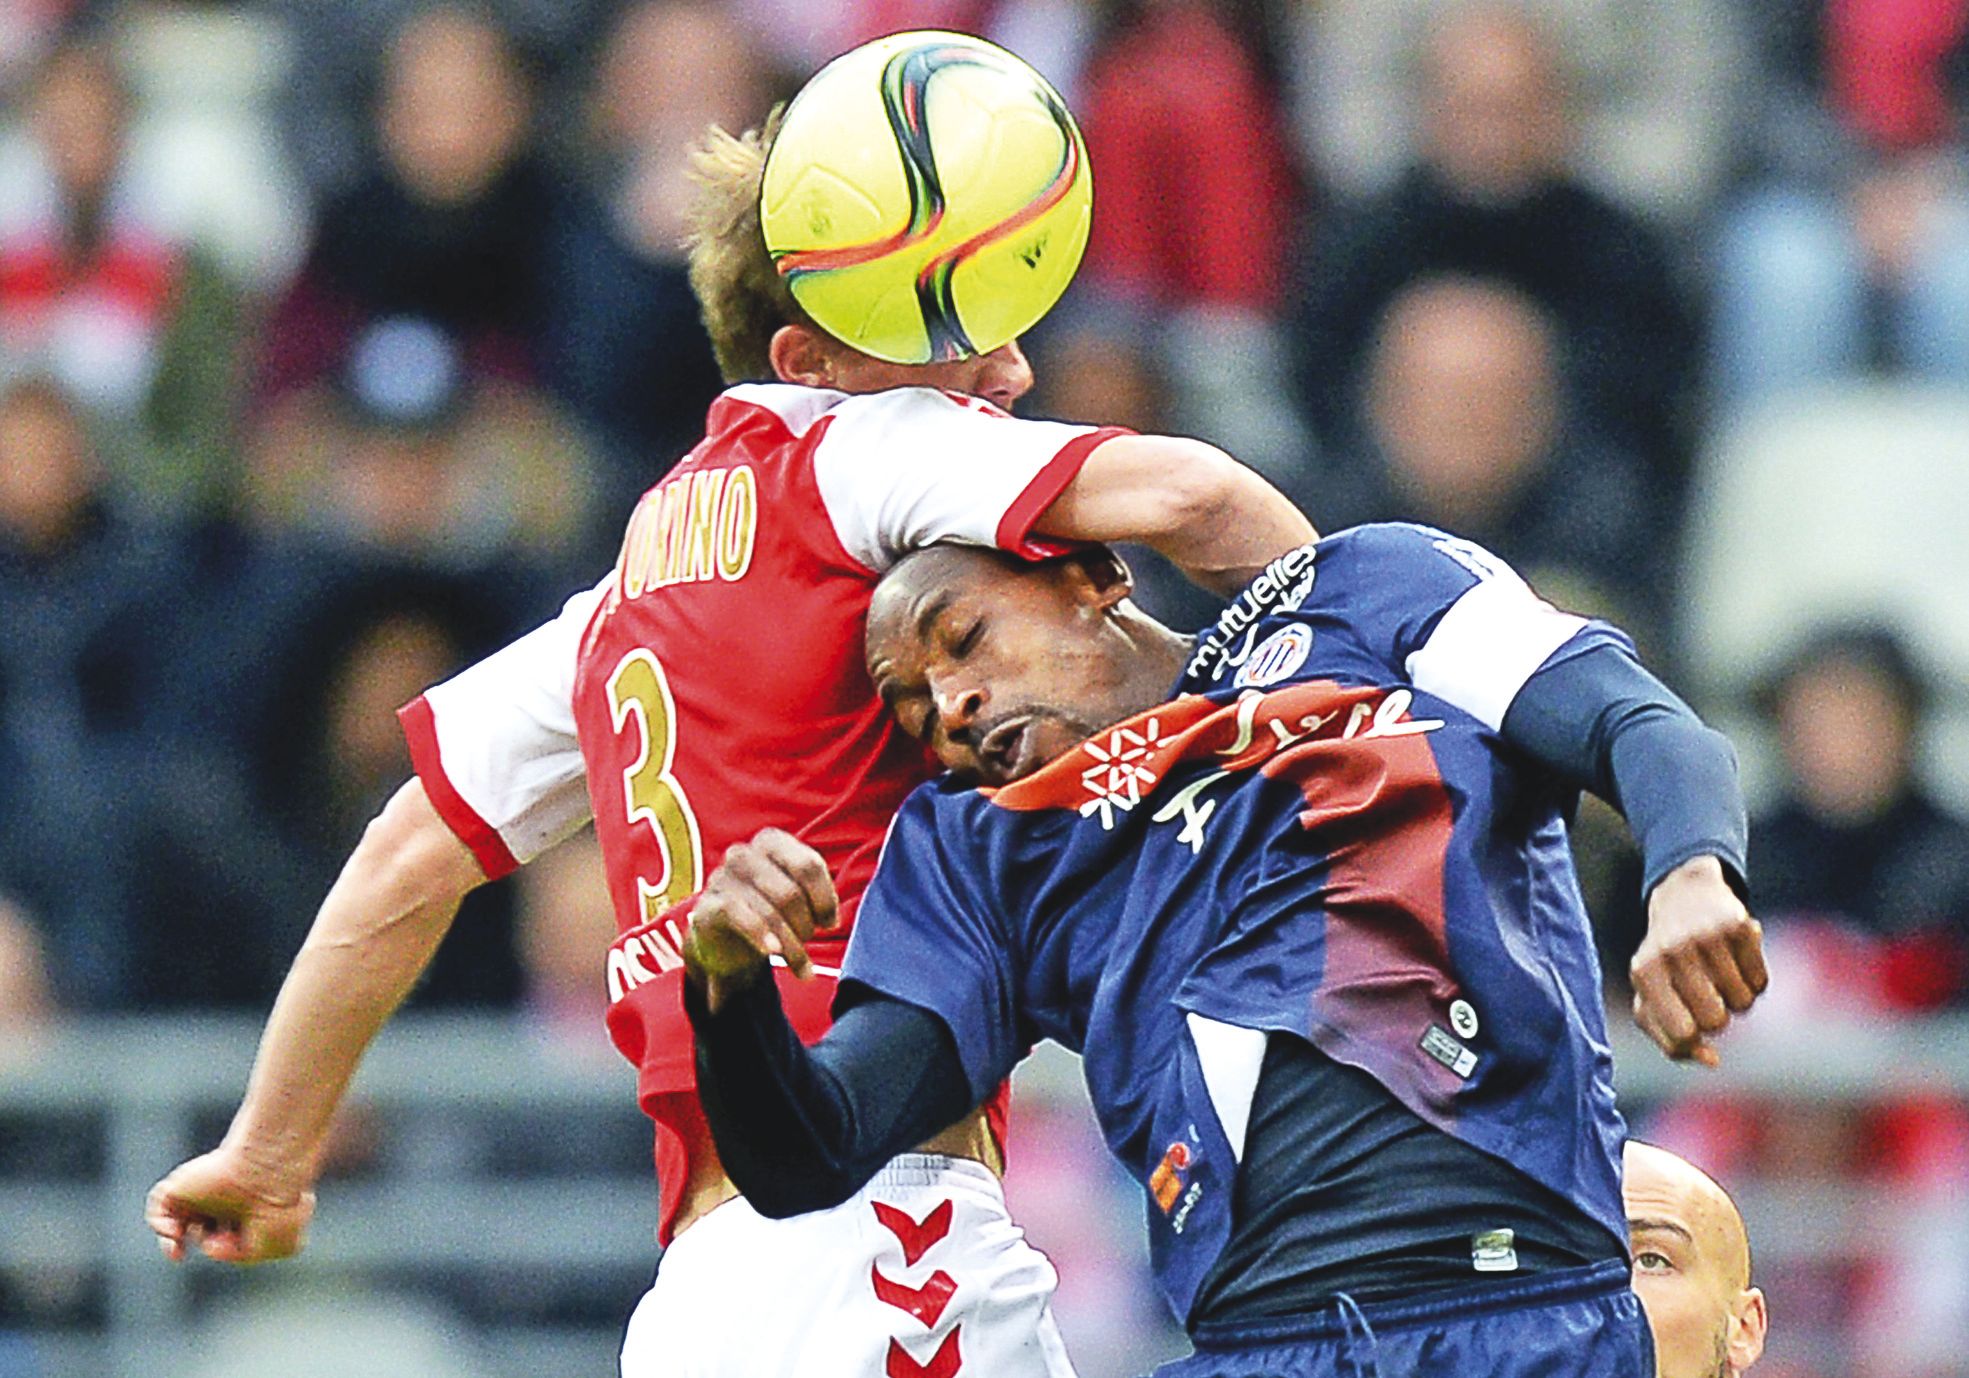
x,y
927,197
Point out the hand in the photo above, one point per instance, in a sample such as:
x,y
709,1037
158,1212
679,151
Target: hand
x,y
764,901
229,1209
1702,961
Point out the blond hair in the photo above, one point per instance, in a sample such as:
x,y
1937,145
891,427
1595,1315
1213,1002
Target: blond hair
x,y
739,291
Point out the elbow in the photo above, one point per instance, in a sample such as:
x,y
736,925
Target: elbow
x,y
1206,490
1725,750
1202,488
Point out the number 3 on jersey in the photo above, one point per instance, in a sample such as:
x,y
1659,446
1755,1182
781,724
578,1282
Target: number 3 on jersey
x,y
637,688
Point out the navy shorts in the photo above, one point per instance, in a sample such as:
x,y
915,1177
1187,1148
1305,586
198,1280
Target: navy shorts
x,y
1579,1323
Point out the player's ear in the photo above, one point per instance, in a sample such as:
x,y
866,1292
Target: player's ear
x,y
1749,1319
1102,576
802,354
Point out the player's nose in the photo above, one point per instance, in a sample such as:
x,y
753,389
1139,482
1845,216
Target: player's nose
x,y
959,703
1004,375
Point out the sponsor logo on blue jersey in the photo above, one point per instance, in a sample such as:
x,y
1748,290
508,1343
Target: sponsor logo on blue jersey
x,y
1286,584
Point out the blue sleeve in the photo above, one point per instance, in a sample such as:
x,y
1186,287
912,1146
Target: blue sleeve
x,y
802,1129
1598,719
931,932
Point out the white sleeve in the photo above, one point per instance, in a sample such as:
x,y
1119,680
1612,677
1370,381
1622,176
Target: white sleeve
x,y
495,745
903,469
1490,640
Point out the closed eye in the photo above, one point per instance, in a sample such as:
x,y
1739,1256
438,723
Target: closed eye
x,y
969,641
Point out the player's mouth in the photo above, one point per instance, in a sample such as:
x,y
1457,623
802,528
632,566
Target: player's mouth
x,y
1004,752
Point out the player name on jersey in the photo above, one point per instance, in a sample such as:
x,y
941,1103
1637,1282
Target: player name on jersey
x,y
693,528
639,957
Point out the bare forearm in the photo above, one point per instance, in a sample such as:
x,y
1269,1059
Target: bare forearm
x,y
373,938
1216,520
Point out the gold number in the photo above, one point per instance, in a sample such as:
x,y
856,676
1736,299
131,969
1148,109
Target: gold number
x,y
652,794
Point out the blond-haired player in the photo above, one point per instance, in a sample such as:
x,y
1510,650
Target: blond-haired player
x,y
711,686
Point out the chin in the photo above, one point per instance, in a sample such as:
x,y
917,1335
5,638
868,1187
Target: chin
x,y
1052,737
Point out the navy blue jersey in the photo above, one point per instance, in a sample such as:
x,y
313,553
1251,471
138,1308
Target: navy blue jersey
x,y
1321,833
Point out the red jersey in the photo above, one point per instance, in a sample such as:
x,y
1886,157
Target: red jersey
x,y
713,684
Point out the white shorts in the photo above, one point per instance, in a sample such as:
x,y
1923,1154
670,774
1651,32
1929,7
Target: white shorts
x,y
921,1274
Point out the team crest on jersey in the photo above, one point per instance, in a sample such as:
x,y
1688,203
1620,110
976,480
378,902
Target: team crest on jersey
x,y
1277,657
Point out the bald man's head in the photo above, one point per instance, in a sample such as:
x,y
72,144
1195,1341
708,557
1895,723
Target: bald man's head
x,y
1691,1267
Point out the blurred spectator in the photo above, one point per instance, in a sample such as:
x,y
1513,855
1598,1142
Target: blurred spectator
x,y
106,283
26,27
324,104
1854,839
1862,882
626,349
1653,93
87,274
1851,242
82,590
1468,429
99,652
1492,196
1196,175
1094,362
330,752
405,456
449,223
1199,199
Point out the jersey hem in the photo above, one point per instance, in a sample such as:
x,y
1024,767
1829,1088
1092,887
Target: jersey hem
x,y
1015,527
420,733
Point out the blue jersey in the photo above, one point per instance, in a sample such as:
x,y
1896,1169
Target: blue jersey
x,y
1321,833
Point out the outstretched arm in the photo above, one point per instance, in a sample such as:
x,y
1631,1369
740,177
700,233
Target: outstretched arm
x,y
802,1129
1210,516
249,1200
1602,721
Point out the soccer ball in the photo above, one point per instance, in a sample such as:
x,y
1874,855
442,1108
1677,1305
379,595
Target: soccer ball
x,y
927,197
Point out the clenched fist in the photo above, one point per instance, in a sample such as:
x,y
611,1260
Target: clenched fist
x,y
1701,963
229,1209
766,900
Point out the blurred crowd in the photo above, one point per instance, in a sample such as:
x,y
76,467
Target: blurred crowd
x,y
336,339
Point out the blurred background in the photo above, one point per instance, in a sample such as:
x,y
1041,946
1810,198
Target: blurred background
x,y
336,339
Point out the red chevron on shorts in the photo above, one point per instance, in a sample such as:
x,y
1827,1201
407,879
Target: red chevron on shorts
x,y
915,1236
943,1364
926,1303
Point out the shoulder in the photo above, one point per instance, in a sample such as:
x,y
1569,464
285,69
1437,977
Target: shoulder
x,y
892,429
1393,549
870,415
791,406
